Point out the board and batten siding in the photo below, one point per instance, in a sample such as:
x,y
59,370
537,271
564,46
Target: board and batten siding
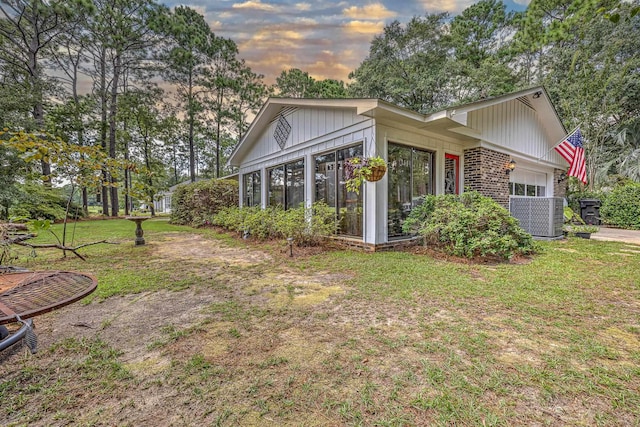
x,y
309,127
515,126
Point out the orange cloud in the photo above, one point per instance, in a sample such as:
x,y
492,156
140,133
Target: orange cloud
x,y
254,4
364,27
375,11
446,5
304,7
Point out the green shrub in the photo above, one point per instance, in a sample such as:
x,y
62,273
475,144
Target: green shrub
x,y
194,204
35,201
621,208
419,214
307,227
471,225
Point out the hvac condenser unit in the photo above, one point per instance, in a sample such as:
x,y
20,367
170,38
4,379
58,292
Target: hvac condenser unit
x,y
538,216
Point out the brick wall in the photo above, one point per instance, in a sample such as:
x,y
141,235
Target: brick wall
x,y
484,171
560,188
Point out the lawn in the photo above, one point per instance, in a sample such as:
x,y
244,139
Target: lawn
x,y
199,328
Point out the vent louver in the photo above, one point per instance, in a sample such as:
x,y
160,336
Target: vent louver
x,y
282,131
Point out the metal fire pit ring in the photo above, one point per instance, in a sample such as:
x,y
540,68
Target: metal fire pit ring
x,y
28,294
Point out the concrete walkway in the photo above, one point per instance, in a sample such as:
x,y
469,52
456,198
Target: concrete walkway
x,y
617,235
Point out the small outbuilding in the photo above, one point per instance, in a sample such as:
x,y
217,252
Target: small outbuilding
x,y
295,149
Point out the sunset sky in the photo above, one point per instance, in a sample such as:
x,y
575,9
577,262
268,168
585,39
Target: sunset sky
x,y
327,38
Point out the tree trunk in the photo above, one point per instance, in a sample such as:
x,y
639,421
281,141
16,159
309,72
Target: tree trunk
x,y
147,162
38,107
103,127
220,98
115,207
192,154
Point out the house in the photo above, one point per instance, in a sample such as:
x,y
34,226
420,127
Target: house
x,y
294,152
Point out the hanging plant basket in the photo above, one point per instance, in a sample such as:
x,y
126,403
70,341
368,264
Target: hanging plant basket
x,y
359,169
377,172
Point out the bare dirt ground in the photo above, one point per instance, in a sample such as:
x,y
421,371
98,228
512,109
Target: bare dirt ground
x,y
143,328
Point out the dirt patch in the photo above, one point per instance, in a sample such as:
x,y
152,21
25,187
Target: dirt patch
x,y
134,322
152,331
194,247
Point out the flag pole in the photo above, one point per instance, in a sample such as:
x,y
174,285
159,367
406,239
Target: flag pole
x,y
558,143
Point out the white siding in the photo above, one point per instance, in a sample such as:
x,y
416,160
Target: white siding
x,y
309,126
515,126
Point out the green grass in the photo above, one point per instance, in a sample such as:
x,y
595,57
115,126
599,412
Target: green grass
x,y
118,262
412,340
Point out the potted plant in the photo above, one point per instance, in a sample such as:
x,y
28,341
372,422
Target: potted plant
x,y
576,226
359,169
584,231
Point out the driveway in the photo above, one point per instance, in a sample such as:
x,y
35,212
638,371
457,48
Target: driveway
x,y
617,235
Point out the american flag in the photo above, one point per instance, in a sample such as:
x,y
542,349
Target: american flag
x,y
573,152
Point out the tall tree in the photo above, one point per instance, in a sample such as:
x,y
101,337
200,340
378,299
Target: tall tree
x,y
250,93
221,82
407,65
28,27
121,37
190,42
142,107
480,37
295,83
590,68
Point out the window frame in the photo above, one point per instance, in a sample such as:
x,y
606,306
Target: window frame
x,y
285,203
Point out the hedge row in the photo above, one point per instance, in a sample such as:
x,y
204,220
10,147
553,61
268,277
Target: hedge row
x,y
307,227
194,204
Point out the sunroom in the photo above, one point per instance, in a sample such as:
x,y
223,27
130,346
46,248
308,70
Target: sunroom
x,y
295,150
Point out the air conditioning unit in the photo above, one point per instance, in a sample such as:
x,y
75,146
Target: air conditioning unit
x,y
538,216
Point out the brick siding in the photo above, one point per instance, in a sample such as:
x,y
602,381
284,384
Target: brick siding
x,y
485,172
560,188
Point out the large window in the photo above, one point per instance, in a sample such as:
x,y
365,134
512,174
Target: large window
x,y
286,185
410,178
527,183
252,190
531,190
331,189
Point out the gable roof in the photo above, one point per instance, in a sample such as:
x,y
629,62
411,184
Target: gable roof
x,y
450,122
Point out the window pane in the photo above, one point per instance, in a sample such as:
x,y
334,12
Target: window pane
x,y
519,189
257,189
542,191
531,190
276,186
399,179
248,189
349,203
252,191
421,173
295,184
326,179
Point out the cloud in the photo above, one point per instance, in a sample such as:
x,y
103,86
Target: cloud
x,y
375,11
216,25
255,5
364,27
303,7
278,35
328,64
522,2
453,6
